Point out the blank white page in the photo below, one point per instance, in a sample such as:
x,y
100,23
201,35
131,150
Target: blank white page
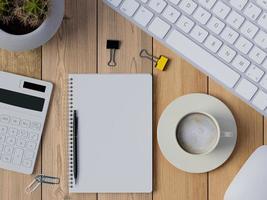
x,y
114,132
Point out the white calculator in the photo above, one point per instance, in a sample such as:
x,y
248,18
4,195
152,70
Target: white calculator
x,y
23,106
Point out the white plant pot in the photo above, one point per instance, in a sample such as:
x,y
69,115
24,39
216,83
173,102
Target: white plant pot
x,y
39,36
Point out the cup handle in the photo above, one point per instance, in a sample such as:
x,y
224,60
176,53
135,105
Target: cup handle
x,y
227,134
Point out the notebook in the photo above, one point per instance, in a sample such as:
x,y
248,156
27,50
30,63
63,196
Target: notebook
x,y
114,133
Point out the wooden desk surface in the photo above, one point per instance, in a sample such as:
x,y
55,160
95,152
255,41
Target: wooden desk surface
x,y
79,47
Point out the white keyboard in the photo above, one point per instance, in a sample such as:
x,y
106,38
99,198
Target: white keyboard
x,y
226,39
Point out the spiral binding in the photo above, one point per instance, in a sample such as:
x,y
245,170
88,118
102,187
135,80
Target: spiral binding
x,y
70,100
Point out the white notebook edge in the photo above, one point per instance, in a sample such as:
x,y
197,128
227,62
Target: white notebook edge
x,y
71,179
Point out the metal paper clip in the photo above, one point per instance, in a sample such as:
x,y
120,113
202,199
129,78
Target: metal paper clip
x,y
160,61
38,180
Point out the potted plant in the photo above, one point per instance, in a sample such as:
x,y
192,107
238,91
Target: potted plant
x,y
28,24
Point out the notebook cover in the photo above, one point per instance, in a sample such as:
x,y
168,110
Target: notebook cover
x,y
115,132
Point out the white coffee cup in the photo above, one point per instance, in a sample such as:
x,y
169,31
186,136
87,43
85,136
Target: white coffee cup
x,y
199,133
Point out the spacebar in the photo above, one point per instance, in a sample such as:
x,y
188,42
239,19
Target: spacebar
x,y
201,58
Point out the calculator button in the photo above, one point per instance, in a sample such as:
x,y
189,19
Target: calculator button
x,y
28,155
15,121
17,156
10,140
31,145
3,129
12,131
21,143
25,123
35,125
23,134
27,163
1,148
8,150
4,118
2,139
33,136
6,158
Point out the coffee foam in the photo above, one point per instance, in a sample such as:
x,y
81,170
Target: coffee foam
x,y
197,133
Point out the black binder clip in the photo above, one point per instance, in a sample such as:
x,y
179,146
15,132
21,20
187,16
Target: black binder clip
x,y
112,45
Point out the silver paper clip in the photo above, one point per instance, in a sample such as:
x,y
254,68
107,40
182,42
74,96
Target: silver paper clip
x,y
38,180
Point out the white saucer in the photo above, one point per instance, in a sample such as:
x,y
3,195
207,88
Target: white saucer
x,y
167,133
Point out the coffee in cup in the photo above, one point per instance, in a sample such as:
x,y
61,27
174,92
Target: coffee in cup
x,y
199,133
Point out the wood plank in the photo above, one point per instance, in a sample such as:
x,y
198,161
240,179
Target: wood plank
x,y
113,26
12,185
265,131
72,50
180,78
250,136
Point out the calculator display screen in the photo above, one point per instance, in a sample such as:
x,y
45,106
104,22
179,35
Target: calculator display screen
x,y
21,100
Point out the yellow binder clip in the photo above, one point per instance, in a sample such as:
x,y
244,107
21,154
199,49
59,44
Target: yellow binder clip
x,y
161,62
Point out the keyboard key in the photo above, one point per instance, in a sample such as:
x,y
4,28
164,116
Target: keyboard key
x,y
240,63
15,121
260,100
249,29
226,53
25,123
17,156
1,148
6,158
171,14
199,34
263,21
115,3
257,55
207,3
263,82
175,1
202,15
262,4
4,119
8,150
28,155
21,143
264,64
254,73
3,129
159,28
188,6
207,61
31,145
238,4
27,163
221,10
261,39
243,45
252,11
229,35
129,7
157,5
143,16
11,140
235,20
246,89
185,23
12,131
213,43
215,25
